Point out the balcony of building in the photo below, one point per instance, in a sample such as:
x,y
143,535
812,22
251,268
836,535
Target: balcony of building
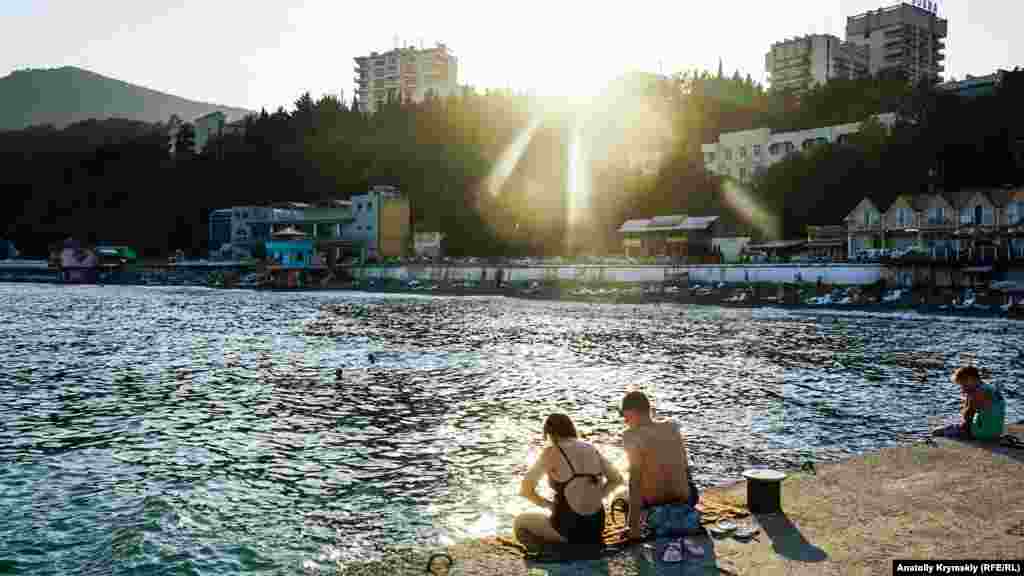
x,y
937,224
873,227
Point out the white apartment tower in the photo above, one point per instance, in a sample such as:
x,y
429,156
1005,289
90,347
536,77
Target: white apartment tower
x,y
406,73
907,37
801,63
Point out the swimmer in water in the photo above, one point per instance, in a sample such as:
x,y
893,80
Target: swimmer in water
x,y
338,374
372,358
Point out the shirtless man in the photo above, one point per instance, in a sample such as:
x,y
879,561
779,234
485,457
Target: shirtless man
x,y
659,487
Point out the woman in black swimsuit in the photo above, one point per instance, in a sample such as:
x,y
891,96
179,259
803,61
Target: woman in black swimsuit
x,y
581,479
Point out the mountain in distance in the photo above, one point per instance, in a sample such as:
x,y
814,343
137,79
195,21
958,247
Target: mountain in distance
x,y
62,96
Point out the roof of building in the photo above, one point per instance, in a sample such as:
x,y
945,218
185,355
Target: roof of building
x,y
826,232
289,232
677,222
207,115
776,245
335,203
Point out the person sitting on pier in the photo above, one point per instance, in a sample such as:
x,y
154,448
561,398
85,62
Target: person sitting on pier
x,y
983,410
574,469
662,497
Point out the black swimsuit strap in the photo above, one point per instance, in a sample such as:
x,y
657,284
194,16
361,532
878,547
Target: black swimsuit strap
x,y
567,461
593,477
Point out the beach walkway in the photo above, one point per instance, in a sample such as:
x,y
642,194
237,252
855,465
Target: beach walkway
x,y
932,500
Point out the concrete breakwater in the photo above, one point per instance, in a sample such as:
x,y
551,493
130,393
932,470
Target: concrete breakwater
x,y
832,274
141,275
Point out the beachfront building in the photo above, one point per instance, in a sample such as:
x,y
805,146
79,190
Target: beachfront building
x,y
863,227
381,223
220,228
797,64
985,225
7,250
292,248
730,248
406,74
371,225
742,155
428,244
825,242
208,127
677,236
907,37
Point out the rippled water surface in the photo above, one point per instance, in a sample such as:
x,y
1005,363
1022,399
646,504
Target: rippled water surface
x,y
186,430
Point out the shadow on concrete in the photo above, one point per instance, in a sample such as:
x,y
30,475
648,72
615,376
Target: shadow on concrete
x,y
1010,452
1002,446
574,568
787,540
646,560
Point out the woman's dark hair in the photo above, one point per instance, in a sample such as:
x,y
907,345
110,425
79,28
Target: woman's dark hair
x,y
559,426
966,372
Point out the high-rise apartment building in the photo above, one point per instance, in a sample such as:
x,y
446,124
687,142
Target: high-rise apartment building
x,y
800,63
906,37
406,73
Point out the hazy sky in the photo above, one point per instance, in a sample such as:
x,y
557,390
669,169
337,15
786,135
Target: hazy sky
x,y
254,54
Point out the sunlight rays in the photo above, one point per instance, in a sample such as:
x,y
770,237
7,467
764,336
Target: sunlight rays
x,y
578,176
740,199
510,158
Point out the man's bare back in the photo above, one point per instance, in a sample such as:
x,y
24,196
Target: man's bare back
x,y
658,459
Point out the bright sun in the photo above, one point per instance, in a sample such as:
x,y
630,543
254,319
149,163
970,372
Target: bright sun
x,y
570,80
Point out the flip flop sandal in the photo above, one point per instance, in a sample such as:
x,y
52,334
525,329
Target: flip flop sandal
x,y
722,529
673,553
693,548
717,532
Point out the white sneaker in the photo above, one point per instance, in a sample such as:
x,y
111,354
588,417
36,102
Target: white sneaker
x,y
673,552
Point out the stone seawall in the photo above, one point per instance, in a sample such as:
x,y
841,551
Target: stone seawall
x,y
834,274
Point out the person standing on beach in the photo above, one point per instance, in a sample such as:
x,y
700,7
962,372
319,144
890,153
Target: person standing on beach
x,y
662,499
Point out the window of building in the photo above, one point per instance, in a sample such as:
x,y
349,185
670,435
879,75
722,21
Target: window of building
x,y
1015,213
903,217
965,215
757,150
728,154
988,216
774,149
871,217
936,216
742,152
743,173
